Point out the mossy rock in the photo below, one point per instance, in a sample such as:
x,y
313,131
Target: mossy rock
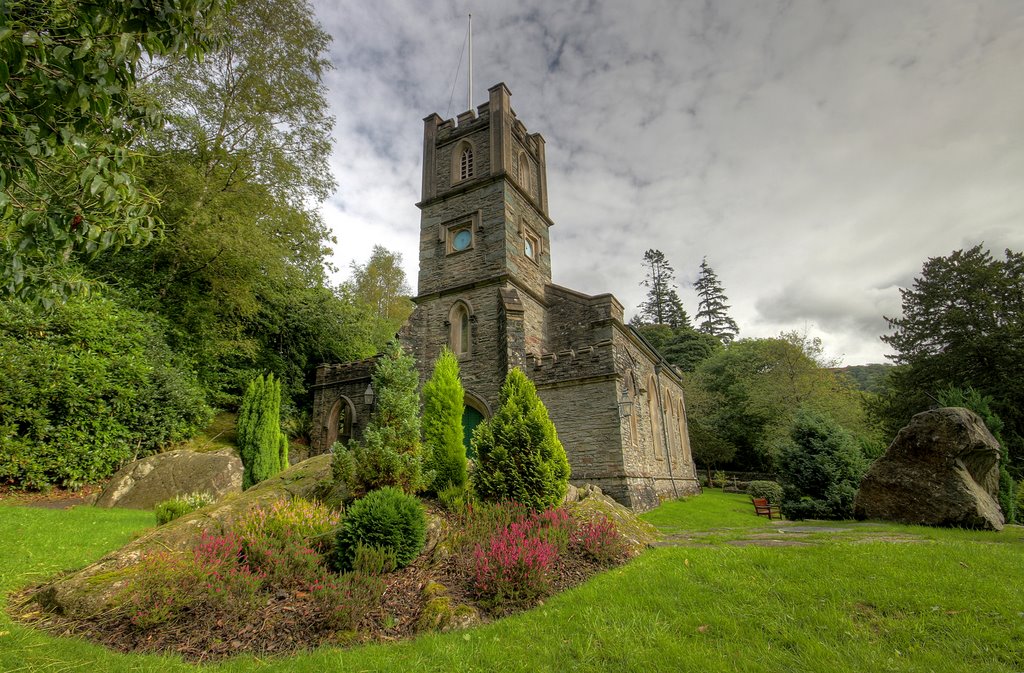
x,y
440,613
88,591
637,533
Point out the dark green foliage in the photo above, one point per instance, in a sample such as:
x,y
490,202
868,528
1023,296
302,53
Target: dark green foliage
x,y
1008,495
259,431
770,490
683,346
962,325
387,519
282,451
712,311
85,389
519,457
662,306
869,378
71,121
343,465
820,469
179,506
390,453
445,454
455,499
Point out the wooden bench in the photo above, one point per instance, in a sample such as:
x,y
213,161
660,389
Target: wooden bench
x,y
764,508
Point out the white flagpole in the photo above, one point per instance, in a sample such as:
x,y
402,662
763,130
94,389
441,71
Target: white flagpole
x,y
469,97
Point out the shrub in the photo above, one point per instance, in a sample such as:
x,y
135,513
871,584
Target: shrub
x,y
386,518
518,453
1008,496
259,431
720,479
769,490
343,465
180,505
514,567
390,452
820,469
443,403
600,540
454,499
87,388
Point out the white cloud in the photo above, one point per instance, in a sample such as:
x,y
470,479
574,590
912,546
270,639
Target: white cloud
x,y
816,152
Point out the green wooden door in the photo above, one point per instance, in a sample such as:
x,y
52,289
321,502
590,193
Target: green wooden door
x,y
470,419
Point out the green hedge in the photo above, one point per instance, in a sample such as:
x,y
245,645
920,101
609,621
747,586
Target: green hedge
x,y
86,388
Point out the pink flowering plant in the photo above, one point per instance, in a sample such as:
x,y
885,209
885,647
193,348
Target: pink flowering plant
x,y
278,547
600,540
514,566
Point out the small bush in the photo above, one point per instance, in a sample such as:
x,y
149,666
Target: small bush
x,y
386,518
518,453
600,540
765,489
455,499
514,567
343,466
259,431
720,479
180,505
820,469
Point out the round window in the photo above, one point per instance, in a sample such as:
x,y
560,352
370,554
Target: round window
x,y
462,239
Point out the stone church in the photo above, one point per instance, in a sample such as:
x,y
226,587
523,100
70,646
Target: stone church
x,y
485,290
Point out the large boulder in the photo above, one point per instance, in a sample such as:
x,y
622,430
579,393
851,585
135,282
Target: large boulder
x,y
90,589
941,470
149,481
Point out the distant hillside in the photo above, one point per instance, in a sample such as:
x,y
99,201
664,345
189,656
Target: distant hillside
x,y
870,378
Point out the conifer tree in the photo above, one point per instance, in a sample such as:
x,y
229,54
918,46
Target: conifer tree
x,y
518,453
662,306
443,403
259,431
390,453
712,317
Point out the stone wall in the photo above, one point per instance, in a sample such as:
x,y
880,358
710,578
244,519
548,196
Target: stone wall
x,y
336,386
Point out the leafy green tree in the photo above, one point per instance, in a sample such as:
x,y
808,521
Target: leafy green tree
x,y
380,285
518,453
963,326
662,306
683,346
712,317
820,469
259,431
443,403
69,149
86,388
748,394
390,452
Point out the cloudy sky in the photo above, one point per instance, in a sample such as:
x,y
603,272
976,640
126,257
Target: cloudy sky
x,y
815,151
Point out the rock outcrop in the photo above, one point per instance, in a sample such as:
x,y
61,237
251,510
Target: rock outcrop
x,y
88,590
149,481
941,470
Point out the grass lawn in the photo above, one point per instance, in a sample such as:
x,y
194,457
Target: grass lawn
x,y
866,598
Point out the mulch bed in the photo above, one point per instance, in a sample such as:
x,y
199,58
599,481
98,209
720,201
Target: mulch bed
x,y
283,624
54,498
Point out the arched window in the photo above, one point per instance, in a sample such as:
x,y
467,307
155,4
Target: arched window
x,y
339,423
461,331
524,171
466,163
652,407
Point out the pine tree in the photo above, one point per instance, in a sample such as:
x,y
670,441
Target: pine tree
x,y
390,453
259,431
662,306
518,453
711,315
443,403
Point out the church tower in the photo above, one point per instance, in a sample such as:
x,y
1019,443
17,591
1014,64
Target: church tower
x,y
484,246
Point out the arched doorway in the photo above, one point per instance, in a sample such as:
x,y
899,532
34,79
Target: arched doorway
x,y
339,423
473,413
